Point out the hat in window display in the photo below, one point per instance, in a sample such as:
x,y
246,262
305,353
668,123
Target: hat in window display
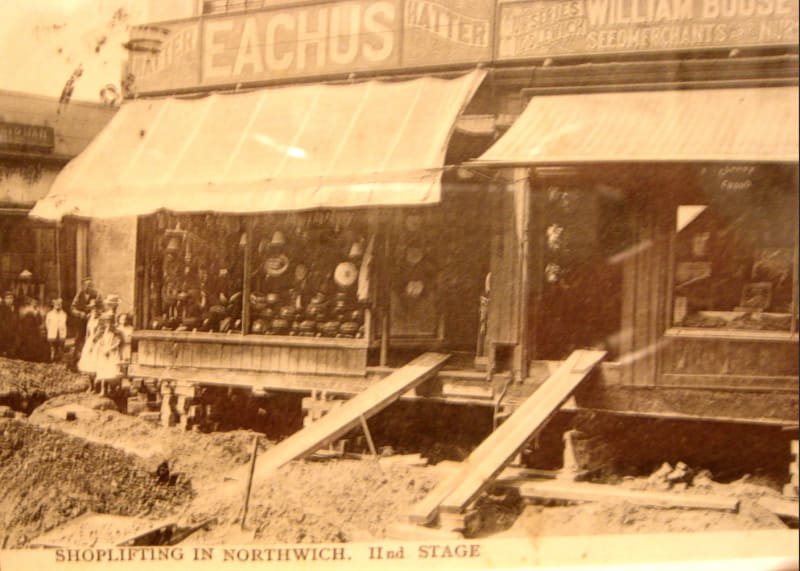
x,y
413,255
345,274
278,240
356,250
414,289
276,265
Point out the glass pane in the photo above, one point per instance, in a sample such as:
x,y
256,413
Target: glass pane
x,y
734,255
310,273
196,272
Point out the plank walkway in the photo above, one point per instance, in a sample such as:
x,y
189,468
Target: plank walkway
x,y
586,492
460,488
342,419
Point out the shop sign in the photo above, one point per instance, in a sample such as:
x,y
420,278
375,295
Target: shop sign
x,y
164,57
17,136
300,41
308,40
547,28
440,32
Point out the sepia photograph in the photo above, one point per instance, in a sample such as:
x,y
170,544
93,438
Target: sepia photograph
x,y
429,284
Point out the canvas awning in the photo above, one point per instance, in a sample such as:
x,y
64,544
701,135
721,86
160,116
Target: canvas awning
x,y
731,125
279,149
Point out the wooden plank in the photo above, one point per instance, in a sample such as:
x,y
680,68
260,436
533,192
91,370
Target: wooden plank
x,y
339,421
294,359
283,359
145,353
247,357
784,508
497,451
307,364
585,492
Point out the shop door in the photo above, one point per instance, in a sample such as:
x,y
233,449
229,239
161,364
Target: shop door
x,y
439,262
579,233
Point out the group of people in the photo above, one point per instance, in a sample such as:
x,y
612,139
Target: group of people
x,y
28,333
102,336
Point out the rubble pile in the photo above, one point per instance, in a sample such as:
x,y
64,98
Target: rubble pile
x,y
23,384
330,502
50,478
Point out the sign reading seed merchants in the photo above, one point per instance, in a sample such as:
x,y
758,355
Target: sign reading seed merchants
x,y
551,28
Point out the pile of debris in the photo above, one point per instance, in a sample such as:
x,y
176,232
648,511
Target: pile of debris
x,y
24,385
49,478
330,501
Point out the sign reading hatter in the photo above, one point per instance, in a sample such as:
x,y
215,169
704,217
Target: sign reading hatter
x,y
549,28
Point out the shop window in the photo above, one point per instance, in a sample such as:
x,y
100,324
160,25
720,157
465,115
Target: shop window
x,y
735,251
310,274
195,272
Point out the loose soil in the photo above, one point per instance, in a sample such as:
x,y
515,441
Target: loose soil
x,y
25,385
53,470
49,478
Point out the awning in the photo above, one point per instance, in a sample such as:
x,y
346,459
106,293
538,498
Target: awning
x,y
283,149
754,124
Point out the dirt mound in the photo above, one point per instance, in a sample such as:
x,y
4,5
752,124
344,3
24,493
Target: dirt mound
x,y
49,478
333,501
23,385
626,518
204,457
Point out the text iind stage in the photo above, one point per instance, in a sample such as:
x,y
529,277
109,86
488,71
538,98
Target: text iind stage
x,y
267,554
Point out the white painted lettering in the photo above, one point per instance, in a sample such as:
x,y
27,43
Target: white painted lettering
x,y
249,56
344,33
214,48
272,57
308,38
378,18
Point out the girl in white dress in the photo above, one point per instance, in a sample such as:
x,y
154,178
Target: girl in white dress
x,y
87,362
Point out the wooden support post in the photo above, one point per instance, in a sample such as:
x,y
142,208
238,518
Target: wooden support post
x,y
522,207
247,262
253,453
384,296
370,443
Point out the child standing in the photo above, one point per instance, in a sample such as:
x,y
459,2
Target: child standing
x,y
55,323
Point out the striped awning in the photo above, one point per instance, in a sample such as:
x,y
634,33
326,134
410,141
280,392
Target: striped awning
x,y
283,149
731,125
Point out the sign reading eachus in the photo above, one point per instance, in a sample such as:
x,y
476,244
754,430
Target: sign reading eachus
x,y
548,28
310,40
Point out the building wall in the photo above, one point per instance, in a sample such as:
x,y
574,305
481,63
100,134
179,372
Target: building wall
x,y
112,258
24,183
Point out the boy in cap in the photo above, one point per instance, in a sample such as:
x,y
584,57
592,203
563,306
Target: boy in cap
x,y
55,323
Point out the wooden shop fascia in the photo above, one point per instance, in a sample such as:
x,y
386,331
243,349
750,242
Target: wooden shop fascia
x,y
323,190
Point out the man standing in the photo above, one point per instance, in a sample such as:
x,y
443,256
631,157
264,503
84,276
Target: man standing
x,y
9,321
56,326
80,311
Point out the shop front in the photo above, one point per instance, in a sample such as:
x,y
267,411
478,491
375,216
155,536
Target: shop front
x,y
662,228
288,231
40,260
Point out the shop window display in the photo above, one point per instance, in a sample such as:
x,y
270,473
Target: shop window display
x,y
735,252
310,274
196,272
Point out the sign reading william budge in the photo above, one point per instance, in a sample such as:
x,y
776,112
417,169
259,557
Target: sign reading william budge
x,y
546,28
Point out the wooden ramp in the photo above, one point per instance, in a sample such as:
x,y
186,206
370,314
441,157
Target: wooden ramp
x,y
342,419
457,491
